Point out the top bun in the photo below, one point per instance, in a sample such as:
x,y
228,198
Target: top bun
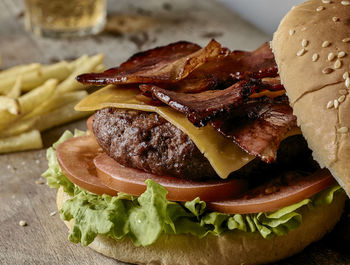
x,y
312,51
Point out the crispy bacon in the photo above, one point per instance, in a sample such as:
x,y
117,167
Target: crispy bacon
x,y
199,108
225,70
262,135
164,64
205,106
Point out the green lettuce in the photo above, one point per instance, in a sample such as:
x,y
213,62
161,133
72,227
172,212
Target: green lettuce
x,y
143,219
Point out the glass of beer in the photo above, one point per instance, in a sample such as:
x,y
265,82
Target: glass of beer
x,y
65,18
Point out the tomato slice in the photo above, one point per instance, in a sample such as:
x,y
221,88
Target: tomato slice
x,y
83,162
75,157
296,190
132,181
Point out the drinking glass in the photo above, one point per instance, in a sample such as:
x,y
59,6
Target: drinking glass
x,y
65,18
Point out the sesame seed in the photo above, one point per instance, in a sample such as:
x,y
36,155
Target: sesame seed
x,y
326,1
347,82
331,56
336,103
343,130
291,32
304,43
325,44
327,70
320,8
22,223
341,54
345,3
337,64
346,75
53,213
315,57
330,104
301,52
343,92
346,40
341,98
335,19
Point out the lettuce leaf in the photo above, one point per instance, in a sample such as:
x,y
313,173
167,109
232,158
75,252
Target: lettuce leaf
x,y
143,219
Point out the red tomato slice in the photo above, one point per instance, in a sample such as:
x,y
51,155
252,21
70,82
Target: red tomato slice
x,y
297,190
75,157
132,181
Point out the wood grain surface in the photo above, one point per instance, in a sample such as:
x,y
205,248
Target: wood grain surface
x,y
44,239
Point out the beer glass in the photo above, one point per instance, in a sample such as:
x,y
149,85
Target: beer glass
x,y
65,18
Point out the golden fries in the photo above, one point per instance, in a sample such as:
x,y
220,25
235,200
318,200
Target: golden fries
x,y
36,77
57,101
26,141
15,91
84,66
59,116
36,97
10,104
18,70
31,100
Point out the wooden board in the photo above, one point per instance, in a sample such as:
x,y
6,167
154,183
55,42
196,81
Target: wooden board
x,y
44,239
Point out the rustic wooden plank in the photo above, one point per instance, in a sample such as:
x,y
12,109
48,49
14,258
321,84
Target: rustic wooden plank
x,y
44,240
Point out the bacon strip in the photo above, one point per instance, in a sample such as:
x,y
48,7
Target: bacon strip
x,y
262,136
164,64
225,70
200,107
205,106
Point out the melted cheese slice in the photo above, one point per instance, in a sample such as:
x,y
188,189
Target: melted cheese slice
x,y
223,154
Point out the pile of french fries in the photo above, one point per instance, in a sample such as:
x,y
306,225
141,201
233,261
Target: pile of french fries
x,y
36,97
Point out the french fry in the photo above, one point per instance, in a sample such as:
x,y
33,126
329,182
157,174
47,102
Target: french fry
x,y
57,101
28,102
30,121
18,70
25,141
51,93
15,91
33,79
70,84
37,96
73,65
20,126
60,116
100,68
10,104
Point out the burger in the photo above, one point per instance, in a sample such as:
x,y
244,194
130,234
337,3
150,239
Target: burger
x,y
195,155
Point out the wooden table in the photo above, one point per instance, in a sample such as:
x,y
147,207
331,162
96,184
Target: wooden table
x,y
44,239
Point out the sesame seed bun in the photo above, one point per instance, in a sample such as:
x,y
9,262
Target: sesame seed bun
x,y
312,51
231,248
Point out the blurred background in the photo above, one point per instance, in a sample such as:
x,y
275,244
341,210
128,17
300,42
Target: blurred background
x,y
139,24
265,14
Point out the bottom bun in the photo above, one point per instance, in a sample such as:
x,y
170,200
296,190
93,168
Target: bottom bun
x,y
229,248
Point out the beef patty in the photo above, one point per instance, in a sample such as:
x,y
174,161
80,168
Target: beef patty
x,y
148,142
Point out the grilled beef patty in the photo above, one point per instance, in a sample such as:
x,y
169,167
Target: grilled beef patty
x,y
148,142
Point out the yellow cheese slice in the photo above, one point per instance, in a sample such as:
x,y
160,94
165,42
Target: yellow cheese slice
x,y
223,155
